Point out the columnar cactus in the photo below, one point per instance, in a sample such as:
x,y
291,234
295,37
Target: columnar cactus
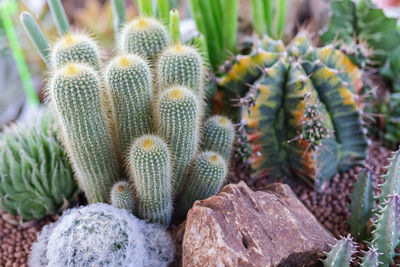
x,y
206,178
150,168
120,130
128,79
76,48
102,235
218,136
75,94
180,65
144,36
35,175
122,196
302,117
178,111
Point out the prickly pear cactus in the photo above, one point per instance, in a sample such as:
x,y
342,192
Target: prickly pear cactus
x,y
36,177
301,111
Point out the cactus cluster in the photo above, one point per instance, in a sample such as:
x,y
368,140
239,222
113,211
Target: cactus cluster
x,y
301,112
36,177
139,119
102,235
384,236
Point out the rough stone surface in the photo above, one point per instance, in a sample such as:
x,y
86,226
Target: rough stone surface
x,y
240,227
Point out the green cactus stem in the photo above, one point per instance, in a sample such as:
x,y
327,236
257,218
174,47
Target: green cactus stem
x,y
362,204
207,176
178,118
122,196
76,97
386,236
341,253
128,78
218,136
150,171
75,48
392,178
370,258
144,36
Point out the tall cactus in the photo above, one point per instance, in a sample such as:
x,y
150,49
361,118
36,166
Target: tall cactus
x,y
178,117
207,175
218,136
144,36
341,253
76,48
75,94
128,78
150,171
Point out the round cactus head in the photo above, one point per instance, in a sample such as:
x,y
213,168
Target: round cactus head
x,y
122,196
144,36
180,65
77,48
218,136
101,235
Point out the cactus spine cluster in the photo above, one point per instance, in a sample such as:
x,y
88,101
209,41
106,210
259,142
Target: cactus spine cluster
x,y
302,114
341,253
122,196
115,124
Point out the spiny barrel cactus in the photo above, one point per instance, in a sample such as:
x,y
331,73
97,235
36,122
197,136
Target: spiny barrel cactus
x,y
144,36
302,116
102,235
35,175
76,48
207,176
129,81
122,196
179,118
218,136
76,97
150,171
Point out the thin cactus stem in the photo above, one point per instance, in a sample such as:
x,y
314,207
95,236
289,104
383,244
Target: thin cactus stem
x,y
174,26
145,8
36,36
59,16
6,8
119,16
163,11
258,17
230,24
281,19
268,15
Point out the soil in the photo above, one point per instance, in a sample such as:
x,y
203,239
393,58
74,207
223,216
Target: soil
x,y
330,206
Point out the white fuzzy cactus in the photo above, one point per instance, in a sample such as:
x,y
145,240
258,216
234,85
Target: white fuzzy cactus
x,y
102,235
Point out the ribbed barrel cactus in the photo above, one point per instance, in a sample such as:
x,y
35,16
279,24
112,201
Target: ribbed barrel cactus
x,y
302,116
141,121
36,177
102,235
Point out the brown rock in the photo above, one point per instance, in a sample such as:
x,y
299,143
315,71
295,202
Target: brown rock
x,y
240,227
